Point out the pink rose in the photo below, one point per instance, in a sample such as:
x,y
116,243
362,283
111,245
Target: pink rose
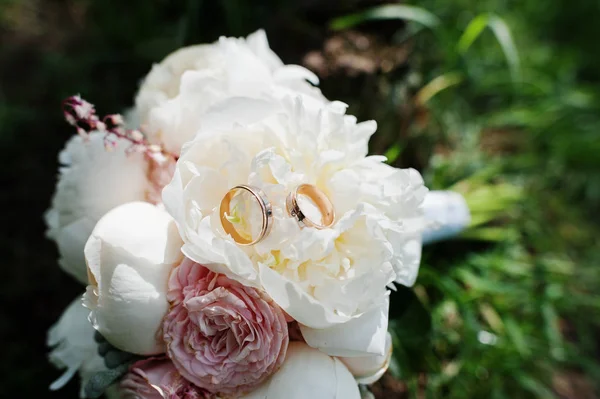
x,y
156,378
222,336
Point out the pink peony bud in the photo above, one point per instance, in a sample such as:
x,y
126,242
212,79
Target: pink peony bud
x,y
222,336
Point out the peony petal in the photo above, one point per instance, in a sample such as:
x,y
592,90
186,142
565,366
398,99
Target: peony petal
x,y
237,110
71,241
74,348
360,336
368,369
346,386
295,72
130,255
92,181
308,373
297,303
259,44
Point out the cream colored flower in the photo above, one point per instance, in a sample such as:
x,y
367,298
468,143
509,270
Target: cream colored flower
x,y
92,181
332,281
163,81
130,255
177,92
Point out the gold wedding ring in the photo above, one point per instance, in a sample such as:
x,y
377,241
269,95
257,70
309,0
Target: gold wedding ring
x,y
319,198
265,206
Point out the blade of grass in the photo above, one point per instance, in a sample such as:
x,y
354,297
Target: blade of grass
x,y
504,37
502,33
473,31
437,85
490,234
392,11
534,386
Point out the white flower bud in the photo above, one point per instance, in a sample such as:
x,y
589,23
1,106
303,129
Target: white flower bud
x,y
130,255
308,373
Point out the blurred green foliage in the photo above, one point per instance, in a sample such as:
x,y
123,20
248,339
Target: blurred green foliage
x,y
517,108
497,99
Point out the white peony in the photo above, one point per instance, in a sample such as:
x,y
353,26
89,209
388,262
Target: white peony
x,y
130,255
177,92
308,373
163,81
92,181
332,281
74,348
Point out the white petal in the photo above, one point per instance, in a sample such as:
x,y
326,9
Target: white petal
x,y
407,244
74,348
360,336
308,373
71,240
368,369
163,80
296,302
130,255
92,181
259,44
237,110
295,72
346,385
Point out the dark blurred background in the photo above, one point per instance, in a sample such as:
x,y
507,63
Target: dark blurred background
x,y
496,99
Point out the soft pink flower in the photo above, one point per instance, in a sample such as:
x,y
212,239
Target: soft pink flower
x,y
222,336
157,378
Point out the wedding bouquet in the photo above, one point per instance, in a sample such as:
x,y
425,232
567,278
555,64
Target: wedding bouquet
x,y
235,238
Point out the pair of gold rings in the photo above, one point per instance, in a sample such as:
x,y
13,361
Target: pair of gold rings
x,y
293,208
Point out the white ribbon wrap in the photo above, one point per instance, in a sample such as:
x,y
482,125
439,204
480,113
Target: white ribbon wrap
x,y
447,214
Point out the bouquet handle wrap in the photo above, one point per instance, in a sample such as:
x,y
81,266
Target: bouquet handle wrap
x,y
447,215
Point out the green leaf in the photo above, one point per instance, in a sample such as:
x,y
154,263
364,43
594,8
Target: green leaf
x,y
393,153
493,234
534,386
503,35
473,31
481,285
438,85
517,337
552,330
98,383
115,358
393,11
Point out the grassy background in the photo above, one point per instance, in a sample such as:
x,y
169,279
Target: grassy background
x,y
497,99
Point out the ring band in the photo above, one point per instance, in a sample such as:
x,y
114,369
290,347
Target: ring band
x,y
265,207
321,201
